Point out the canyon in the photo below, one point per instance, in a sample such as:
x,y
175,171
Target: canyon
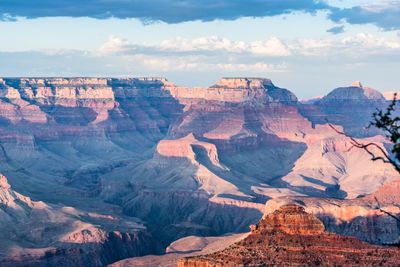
x,y
112,168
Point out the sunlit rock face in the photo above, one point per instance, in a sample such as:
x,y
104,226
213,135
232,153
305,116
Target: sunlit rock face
x,y
236,90
185,161
289,236
293,220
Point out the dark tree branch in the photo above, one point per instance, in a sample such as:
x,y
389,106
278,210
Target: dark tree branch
x,y
385,157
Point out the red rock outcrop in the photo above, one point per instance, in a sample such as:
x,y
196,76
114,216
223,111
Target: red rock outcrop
x,y
291,237
292,220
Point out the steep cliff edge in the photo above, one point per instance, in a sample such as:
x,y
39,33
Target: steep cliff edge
x,y
291,237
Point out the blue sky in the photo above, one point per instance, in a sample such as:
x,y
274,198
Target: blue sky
x,y
307,46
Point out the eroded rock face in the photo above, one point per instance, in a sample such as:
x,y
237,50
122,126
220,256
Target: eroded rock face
x,y
292,219
276,241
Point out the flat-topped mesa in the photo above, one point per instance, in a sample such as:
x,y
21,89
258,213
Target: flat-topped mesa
x,y
55,81
291,219
355,92
48,90
243,83
237,90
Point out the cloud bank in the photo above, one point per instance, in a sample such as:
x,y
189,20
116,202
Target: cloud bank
x,y
271,48
169,11
384,14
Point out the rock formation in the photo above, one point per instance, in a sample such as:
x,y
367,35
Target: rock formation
x,y
355,92
361,217
291,237
184,161
334,107
293,220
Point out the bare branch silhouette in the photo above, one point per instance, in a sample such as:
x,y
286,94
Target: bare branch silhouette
x,y
385,157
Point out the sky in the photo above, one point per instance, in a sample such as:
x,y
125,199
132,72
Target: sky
x,y
307,46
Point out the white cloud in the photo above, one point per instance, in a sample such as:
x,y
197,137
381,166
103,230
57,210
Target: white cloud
x,y
214,46
367,40
212,43
270,47
361,44
199,64
312,47
256,67
113,45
